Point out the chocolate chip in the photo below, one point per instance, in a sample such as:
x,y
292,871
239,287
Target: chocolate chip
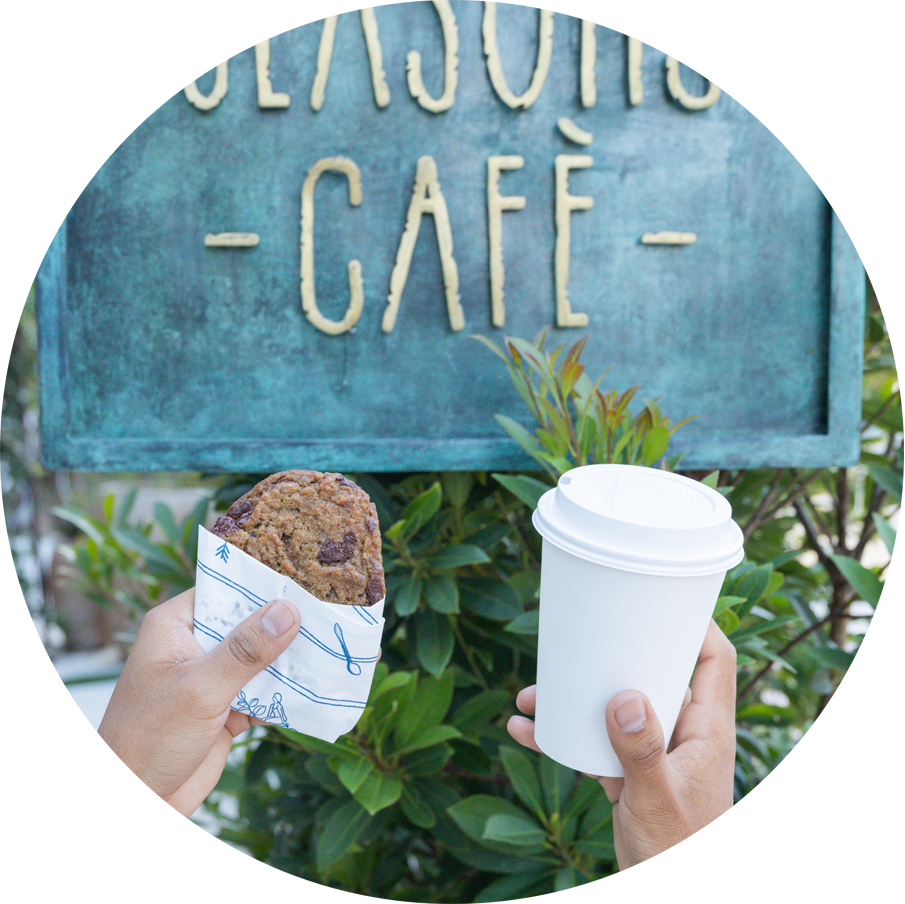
x,y
371,525
332,553
241,510
346,482
374,591
224,526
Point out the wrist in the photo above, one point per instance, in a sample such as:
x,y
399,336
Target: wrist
x,y
697,870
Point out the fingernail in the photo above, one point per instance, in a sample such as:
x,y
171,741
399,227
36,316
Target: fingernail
x,y
278,619
631,716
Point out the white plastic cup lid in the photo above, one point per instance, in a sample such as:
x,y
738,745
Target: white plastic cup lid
x,y
641,520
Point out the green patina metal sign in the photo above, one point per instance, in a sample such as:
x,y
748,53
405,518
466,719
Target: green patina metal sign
x,y
283,265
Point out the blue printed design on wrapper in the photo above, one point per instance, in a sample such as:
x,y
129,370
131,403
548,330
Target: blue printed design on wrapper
x,y
223,552
251,707
352,662
286,680
353,667
276,715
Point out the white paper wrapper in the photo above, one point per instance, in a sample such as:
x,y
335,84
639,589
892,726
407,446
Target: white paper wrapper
x,y
319,686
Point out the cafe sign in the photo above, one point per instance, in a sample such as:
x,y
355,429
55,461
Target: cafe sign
x,y
284,264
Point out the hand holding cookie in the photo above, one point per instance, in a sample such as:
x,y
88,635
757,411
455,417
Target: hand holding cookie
x,y
169,719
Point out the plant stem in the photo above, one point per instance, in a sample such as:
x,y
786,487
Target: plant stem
x,y
466,649
754,521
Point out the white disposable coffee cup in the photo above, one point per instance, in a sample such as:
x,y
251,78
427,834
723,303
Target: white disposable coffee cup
x,y
632,564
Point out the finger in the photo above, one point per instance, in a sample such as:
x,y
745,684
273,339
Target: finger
x,y
637,738
526,700
612,787
237,722
714,680
180,608
522,730
247,650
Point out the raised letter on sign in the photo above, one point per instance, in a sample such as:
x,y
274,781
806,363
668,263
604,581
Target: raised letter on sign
x,y
426,199
267,97
450,64
673,78
375,55
588,61
635,86
309,302
496,204
495,68
565,204
189,85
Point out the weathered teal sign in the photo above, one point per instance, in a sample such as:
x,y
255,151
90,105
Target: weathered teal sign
x,y
282,266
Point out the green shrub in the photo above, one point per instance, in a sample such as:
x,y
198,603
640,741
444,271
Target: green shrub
x,y
428,798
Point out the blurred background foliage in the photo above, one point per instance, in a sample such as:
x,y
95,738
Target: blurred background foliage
x,y
428,798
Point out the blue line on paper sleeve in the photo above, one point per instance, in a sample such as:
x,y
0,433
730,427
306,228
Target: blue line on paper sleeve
x,y
260,601
350,664
292,685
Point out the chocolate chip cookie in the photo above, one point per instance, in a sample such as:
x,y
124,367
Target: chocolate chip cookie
x,y
318,529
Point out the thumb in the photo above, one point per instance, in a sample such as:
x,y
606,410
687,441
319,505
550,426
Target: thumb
x,y
637,740
248,649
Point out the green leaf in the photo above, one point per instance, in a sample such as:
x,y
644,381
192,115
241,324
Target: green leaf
x,y
711,479
600,849
312,745
654,445
436,734
456,487
378,791
510,887
764,626
421,509
885,530
865,582
556,781
341,831
765,714
442,595
727,621
490,598
472,814
727,602
429,760
434,640
586,795
831,657
526,623
84,524
457,556
478,711
887,478
527,489
752,743
353,772
426,707
752,585
407,597
522,772
258,762
416,808
520,830
163,514
520,434
126,506
598,818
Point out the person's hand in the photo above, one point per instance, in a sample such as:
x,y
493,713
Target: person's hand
x,y
169,719
667,793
